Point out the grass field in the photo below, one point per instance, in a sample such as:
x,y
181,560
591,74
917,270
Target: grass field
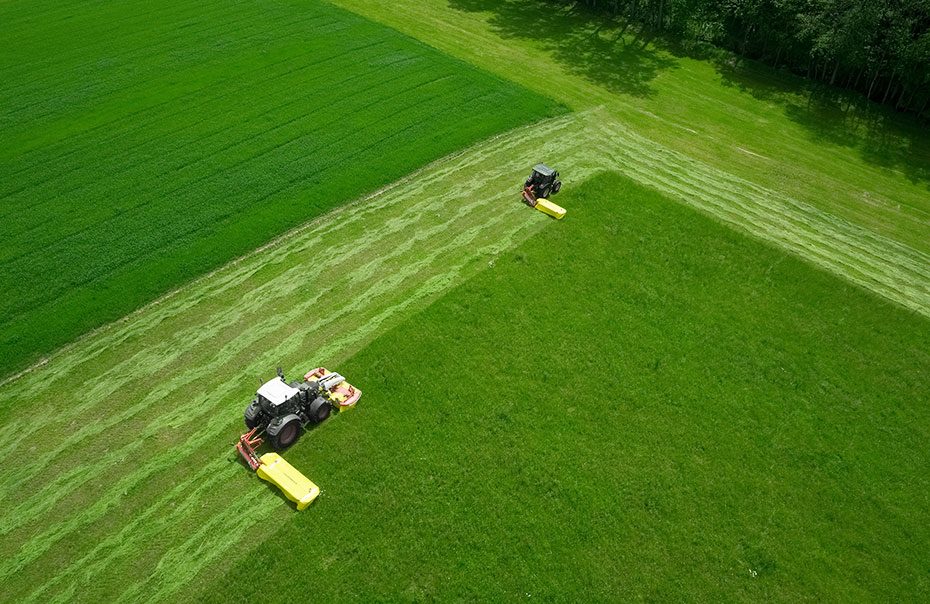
x,y
636,403
639,401
871,170
128,433
134,161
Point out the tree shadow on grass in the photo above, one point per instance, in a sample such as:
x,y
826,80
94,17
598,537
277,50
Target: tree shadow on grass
x,y
880,135
588,44
625,59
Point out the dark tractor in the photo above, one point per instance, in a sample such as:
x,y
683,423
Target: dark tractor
x,y
544,181
283,410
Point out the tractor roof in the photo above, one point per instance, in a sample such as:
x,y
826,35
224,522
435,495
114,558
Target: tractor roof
x,y
276,391
544,169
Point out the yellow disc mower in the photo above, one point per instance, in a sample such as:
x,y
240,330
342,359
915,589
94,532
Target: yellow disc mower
x,y
543,182
281,412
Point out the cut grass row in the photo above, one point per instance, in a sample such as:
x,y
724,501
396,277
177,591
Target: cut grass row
x,y
637,403
315,297
119,412
146,158
749,121
128,431
877,263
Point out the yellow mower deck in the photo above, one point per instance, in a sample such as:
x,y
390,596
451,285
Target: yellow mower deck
x,y
297,487
550,209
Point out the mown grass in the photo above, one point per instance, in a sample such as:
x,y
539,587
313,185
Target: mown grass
x,y
636,403
869,168
145,144
737,424
133,487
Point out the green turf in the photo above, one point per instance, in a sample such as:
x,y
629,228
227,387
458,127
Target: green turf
x,y
636,403
761,429
870,168
131,487
147,143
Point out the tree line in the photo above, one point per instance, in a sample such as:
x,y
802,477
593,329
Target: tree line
x,y
880,48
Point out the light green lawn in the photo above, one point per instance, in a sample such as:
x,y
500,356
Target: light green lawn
x,y
751,122
635,404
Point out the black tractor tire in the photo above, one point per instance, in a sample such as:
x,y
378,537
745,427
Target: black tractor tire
x,y
557,187
286,436
320,409
252,415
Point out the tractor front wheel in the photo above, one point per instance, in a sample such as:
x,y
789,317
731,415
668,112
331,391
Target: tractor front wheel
x,y
320,410
286,436
251,415
557,187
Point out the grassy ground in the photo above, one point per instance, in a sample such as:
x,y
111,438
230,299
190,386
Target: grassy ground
x,y
131,487
636,403
759,426
146,145
130,428
872,170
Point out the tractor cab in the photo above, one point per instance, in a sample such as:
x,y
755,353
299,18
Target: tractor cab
x,y
542,174
543,181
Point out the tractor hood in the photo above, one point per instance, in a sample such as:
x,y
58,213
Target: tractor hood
x,y
276,391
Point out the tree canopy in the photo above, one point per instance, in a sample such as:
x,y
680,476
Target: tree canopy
x,y
880,48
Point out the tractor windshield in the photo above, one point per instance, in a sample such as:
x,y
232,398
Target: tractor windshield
x,y
264,403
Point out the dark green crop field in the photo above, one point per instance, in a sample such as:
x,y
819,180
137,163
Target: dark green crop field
x,y
636,403
144,144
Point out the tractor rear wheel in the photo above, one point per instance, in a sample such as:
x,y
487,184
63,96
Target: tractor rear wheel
x,y
320,410
286,436
557,187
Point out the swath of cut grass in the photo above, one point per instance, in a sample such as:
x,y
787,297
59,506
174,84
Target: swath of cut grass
x,y
146,147
637,403
128,431
871,170
820,201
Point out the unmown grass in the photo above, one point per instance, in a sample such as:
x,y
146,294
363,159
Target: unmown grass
x,y
636,403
